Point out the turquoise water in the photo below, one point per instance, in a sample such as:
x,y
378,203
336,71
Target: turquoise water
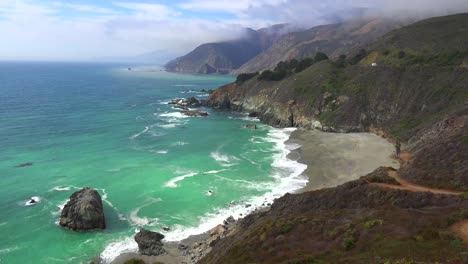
x,y
102,126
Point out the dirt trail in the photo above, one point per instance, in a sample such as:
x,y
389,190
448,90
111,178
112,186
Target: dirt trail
x,y
406,185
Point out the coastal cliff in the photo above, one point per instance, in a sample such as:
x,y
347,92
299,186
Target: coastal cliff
x,y
419,103
408,94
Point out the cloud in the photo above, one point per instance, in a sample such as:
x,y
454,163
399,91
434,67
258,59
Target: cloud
x,y
315,12
39,31
65,30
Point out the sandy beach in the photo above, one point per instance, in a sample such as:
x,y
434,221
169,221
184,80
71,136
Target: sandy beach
x,y
335,158
331,158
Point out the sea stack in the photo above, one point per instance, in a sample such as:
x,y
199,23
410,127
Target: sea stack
x,y
84,211
149,243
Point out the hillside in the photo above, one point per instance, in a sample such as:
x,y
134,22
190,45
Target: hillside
x,y
222,57
335,39
352,223
422,103
437,41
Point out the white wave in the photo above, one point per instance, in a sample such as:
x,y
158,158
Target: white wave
x,y
224,159
257,139
143,221
288,178
58,210
180,143
7,250
173,183
62,205
114,170
174,114
159,151
29,202
138,134
61,188
114,249
246,117
168,125
4,223
214,171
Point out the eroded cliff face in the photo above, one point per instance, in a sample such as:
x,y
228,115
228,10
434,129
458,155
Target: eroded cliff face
x,y
399,101
424,107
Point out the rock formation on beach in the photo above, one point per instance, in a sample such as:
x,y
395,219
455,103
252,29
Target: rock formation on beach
x,y
149,243
84,211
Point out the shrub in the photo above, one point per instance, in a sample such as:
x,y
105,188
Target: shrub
x,y
304,64
401,54
320,56
464,196
341,61
349,239
371,223
243,77
358,57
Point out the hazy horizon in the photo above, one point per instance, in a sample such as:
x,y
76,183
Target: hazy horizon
x,y
127,30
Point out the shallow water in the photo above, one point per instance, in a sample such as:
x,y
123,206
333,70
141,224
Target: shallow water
x,y
102,126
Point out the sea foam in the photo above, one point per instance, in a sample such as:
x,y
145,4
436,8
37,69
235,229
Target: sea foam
x,y
288,178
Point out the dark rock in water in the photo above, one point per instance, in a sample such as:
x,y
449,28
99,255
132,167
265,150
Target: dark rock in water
x,y
195,113
83,211
166,228
193,102
229,220
251,126
27,164
32,201
149,243
253,114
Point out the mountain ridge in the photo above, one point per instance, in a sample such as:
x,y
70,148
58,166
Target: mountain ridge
x,y
222,57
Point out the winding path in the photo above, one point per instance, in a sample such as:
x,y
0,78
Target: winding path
x,y
406,185
460,228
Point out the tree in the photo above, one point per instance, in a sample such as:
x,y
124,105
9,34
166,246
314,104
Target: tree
x,y
359,56
320,56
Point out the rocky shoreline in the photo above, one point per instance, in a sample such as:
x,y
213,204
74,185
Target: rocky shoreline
x,y
187,251
194,248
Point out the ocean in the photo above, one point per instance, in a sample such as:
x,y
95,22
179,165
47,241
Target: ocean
x,y
105,127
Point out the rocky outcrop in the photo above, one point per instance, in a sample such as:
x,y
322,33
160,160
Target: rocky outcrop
x,y
149,243
251,126
194,113
84,211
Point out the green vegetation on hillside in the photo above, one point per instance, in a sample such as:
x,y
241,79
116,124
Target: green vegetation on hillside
x,y
285,69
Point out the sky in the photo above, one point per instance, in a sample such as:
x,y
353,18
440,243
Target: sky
x,y
96,29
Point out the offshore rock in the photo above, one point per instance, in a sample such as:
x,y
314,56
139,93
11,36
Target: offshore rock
x,y
84,211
